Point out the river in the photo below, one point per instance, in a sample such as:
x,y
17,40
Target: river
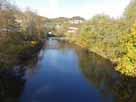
x,y
62,72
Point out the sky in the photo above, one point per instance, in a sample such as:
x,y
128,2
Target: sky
x,y
70,8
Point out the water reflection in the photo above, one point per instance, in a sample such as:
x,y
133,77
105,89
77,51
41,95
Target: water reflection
x,y
100,73
62,72
12,80
10,88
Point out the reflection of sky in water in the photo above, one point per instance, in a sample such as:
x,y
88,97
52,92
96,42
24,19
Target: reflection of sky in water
x,y
63,75
58,79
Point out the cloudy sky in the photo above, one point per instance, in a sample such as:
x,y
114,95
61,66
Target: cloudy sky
x,y
69,8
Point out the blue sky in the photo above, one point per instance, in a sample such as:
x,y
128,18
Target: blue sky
x,y
69,8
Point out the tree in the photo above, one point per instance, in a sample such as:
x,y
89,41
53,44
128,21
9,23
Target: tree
x,y
19,31
101,34
127,64
130,11
40,25
8,22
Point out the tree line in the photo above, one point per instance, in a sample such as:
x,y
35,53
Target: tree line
x,y
19,30
112,38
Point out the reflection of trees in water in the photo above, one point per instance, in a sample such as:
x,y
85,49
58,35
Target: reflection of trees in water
x,y
100,73
30,65
12,80
10,88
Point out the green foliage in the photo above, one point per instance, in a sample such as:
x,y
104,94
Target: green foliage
x,y
127,64
19,31
104,36
130,12
113,39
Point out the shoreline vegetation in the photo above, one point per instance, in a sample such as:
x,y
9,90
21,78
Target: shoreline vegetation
x,y
113,39
94,51
22,34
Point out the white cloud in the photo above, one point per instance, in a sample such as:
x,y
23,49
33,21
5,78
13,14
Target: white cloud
x,y
52,10
114,8
54,5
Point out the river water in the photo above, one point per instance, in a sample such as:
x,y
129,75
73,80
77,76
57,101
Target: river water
x,y
62,72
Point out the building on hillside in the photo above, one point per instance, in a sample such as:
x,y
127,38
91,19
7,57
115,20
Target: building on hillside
x,y
72,29
77,20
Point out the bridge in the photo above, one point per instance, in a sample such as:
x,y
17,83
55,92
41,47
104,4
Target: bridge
x,y
58,38
53,36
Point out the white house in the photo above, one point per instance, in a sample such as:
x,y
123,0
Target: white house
x,y
72,29
76,20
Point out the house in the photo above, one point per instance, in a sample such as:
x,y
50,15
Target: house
x,y
77,20
72,29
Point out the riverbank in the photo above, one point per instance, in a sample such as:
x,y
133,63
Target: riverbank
x,y
97,51
19,53
127,71
113,60
30,51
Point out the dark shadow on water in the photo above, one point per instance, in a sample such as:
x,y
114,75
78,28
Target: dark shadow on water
x,y
10,88
100,82
12,80
100,72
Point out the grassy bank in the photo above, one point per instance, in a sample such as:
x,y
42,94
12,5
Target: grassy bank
x,y
14,53
96,50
